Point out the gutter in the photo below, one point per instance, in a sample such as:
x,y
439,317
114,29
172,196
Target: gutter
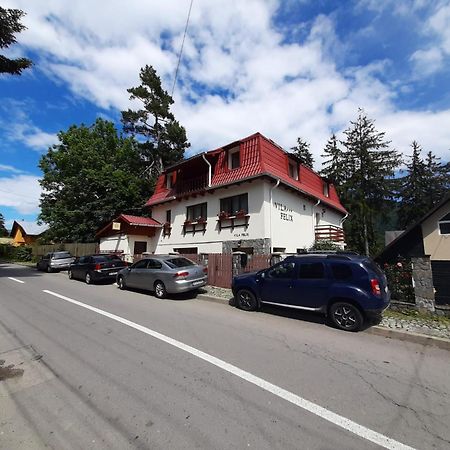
x,y
270,213
209,169
313,219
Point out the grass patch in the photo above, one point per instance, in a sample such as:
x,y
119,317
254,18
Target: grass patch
x,y
410,314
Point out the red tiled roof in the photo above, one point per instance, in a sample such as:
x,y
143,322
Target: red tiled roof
x,y
140,221
259,157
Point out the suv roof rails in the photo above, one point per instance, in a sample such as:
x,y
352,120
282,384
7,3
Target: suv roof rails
x,y
339,256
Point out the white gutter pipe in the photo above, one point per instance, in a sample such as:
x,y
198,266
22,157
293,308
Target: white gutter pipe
x,y
209,169
313,220
270,215
343,219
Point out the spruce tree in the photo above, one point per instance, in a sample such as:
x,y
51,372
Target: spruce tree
x,y
438,179
369,167
333,164
165,139
414,200
3,230
9,26
302,151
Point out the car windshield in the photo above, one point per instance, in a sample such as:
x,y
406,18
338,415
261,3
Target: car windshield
x,y
179,262
61,255
105,258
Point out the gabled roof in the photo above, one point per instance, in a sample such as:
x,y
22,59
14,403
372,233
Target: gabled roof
x,y
260,157
28,228
137,221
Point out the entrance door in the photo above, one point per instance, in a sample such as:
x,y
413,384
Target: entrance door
x,y
140,247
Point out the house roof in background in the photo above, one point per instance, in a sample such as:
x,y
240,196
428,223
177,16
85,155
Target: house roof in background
x,y
30,228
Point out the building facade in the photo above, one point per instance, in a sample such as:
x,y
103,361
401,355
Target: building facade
x,y
249,196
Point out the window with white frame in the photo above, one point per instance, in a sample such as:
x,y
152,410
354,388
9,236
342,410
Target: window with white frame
x,y
196,212
234,158
234,205
444,224
293,169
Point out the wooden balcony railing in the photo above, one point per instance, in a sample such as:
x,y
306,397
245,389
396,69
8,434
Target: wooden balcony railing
x,y
191,185
329,233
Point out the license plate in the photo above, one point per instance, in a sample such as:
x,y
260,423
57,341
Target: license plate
x,y
113,273
197,283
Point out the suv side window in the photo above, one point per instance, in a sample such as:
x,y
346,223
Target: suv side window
x,y
312,271
341,271
284,270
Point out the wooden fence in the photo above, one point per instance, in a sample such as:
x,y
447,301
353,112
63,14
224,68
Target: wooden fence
x,y
75,248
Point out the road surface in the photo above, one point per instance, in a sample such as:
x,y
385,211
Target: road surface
x,y
109,369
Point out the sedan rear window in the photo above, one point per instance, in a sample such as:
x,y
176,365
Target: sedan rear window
x,y
61,255
105,258
179,262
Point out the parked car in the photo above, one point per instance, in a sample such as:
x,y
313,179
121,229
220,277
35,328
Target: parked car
x,y
348,288
92,268
55,261
163,274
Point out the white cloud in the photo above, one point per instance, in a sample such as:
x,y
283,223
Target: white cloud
x,y
11,169
21,192
427,62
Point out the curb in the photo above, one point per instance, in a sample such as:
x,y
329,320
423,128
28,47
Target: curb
x,y
407,336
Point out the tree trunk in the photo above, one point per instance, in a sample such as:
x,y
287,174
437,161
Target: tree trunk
x,y
366,239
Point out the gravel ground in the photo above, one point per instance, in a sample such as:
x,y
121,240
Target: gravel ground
x,y
394,320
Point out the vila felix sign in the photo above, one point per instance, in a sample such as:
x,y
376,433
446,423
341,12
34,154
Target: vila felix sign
x,y
284,211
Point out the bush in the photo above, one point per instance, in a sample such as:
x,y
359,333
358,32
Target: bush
x,y
324,246
22,254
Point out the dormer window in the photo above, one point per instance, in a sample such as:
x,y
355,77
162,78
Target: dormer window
x,y
169,180
444,225
234,158
326,189
293,170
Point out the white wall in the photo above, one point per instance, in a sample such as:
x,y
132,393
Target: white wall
x,y
125,244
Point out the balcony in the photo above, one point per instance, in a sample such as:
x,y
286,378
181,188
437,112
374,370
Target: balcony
x,y
329,233
191,185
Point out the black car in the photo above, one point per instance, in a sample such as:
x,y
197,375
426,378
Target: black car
x,y
92,268
348,288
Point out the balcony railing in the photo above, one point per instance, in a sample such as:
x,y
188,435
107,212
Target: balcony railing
x,y
329,233
191,185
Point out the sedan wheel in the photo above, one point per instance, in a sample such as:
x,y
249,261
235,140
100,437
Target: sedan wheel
x,y
246,300
88,278
121,283
70,274
160,289
49,269
346,316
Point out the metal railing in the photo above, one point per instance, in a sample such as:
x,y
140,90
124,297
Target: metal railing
x,y
191,184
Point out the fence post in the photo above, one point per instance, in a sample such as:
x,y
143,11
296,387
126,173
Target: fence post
x,y
423,283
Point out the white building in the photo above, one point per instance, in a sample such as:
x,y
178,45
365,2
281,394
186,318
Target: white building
x,y
250,196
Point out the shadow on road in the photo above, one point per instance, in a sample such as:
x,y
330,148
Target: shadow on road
x,y
17,271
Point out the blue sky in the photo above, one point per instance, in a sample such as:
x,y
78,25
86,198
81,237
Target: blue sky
x,y
284,68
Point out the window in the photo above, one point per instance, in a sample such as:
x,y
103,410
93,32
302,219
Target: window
x,y
168,216
326,189
444,224
179,262
140,247
234,158
196,212
293,170
232,205
246,250
279,249
103,258
311,271
154,264
284,270
341,271
142,264
187,250
169,180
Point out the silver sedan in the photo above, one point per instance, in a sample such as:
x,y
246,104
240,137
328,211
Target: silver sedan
x,y
163,274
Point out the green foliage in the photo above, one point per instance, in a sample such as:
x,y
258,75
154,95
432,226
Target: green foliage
x,y
22,254
3,230
399,276
166,139
324,245
9,26
302,151
90,177
363,168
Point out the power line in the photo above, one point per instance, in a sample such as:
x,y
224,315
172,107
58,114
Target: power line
x,y
182,45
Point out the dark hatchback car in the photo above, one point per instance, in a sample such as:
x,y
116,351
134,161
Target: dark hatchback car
x,y
55,261
163,274
92,268
349,289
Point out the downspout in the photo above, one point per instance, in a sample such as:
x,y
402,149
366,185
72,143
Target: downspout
x,y
342,228
209,169
343,219
270,213
313,220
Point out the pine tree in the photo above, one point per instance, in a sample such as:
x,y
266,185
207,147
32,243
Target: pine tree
x,y
413,189
333,164
369,165
9,26
302,151
166,139
438,179
3,230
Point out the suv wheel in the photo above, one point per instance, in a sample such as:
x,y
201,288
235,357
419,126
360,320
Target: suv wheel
x,y
346,316
160,290
246,300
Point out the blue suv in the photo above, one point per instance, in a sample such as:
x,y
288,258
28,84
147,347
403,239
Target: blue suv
x,y
348,288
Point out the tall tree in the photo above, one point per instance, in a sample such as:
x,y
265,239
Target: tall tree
x,y
414,200
9,26
438,179
3,230
334,167
302,151
368,166
165,138
90,176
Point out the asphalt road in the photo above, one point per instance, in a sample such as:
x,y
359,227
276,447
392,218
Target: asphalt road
x,y
110,369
